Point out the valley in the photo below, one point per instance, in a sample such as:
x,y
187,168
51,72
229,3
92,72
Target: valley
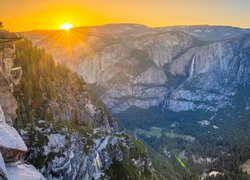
x,y
125,90
182,90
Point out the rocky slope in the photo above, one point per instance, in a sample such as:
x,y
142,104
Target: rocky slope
x,y
12,146
174,68
68,130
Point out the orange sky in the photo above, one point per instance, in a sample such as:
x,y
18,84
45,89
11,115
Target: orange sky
x,y
21,15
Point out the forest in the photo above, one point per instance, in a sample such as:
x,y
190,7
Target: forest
x,y
225,140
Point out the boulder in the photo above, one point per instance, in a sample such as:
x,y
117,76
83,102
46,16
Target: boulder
x,y
20,171
12,145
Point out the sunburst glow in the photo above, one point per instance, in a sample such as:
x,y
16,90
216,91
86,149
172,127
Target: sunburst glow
x,y
66,26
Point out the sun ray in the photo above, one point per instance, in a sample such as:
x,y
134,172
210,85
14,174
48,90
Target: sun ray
x,y
69,41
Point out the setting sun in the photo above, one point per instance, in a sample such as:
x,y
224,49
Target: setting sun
x,y
66,26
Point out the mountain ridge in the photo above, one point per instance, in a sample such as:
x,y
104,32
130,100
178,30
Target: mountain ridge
x,y
190,83
161,56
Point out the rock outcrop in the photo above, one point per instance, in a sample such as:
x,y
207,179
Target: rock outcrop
x,y
66,155
12,146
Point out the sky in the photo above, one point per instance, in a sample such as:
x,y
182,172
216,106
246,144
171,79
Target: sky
x,y
23,15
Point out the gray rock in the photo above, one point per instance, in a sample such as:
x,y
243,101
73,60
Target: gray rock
x,y
21,171
11,144
2,118
152,76
3,171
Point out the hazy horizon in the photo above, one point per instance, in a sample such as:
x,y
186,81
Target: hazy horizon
x,y
99,25
28,15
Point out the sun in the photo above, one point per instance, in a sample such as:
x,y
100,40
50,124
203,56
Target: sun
x,y
66,26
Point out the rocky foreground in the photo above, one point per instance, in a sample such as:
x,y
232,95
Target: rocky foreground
x,y
12,146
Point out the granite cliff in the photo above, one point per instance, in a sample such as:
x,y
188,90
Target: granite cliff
x,y
175,68
184,90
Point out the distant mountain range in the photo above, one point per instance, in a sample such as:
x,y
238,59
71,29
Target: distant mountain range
x,y
172,77
177,68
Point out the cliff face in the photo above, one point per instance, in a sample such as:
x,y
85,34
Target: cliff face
x,y
175,68
213,73
68,130
12,146
9,76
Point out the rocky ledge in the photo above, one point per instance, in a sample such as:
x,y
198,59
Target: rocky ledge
x,y
12,146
